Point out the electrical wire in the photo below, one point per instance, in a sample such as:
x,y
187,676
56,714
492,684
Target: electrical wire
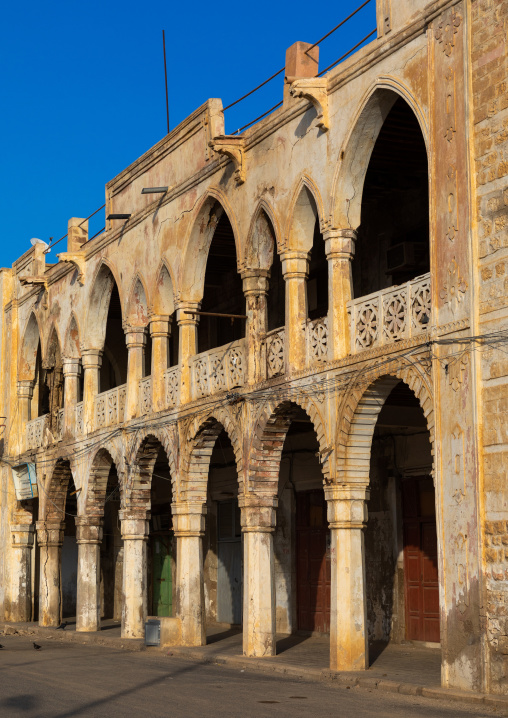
x,y
50,247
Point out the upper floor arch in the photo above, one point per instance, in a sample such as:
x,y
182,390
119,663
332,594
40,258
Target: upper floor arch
x,y
104,282
163,295
137,305
72,344
30,347
306,211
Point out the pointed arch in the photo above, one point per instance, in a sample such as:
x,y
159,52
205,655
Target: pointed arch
x,y
144,454
98,305
72,344
206,218
347,186
263,239
306,208
163,298
137,305
53,353
359,412
29,347
56,490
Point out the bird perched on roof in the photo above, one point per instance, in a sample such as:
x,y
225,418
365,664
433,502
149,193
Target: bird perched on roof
x,y
62,626
1,646
36,646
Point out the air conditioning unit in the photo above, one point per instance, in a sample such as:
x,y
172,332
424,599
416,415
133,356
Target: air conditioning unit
x,y
402,256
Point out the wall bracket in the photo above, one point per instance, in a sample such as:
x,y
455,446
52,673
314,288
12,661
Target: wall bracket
x,y
232,147
78,260
315,90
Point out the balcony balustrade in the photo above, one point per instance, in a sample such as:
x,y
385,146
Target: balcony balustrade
x,y
172,386
59,427
317,340
110,407
275,355
218,369
79,419
390,315
145,396
35,431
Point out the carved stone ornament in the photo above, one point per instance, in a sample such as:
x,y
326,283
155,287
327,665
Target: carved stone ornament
x,y
232,147
446,30
78,260
314,89
456,369
454,288
29,280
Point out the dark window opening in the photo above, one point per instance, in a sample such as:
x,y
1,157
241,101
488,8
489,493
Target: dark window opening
x,y
276,299
223,291
317,282
393,239
113,371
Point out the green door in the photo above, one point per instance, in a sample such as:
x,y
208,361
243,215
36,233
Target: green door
x,y
162,589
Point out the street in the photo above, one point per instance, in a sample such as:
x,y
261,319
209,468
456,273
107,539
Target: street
x,y
63,680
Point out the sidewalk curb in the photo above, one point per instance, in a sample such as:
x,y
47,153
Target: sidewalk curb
x,y
264,665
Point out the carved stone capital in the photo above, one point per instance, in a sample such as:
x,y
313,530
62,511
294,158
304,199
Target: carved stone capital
x,y
346,506
314,89
232,146
258,513
71,366
340,243
255,281
78,260
188,518
91,358
50,533
134,524
25,389
182,317
89,529
22,535
135,337
160,326
295,264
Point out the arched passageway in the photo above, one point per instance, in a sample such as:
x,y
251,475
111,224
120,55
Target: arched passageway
x,y
113,370
392,246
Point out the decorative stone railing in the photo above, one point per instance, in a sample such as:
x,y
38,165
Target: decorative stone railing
x,y
390,315
110,407
79,419
172,386
59,428
218,369
145,396
35,431
316,335
275,356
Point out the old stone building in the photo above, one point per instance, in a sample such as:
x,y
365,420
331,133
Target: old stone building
x,y
334,457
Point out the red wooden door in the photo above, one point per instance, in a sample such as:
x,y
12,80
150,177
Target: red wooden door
x,y
420,560
313,562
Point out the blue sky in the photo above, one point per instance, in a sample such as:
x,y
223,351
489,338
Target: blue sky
x,y
83,90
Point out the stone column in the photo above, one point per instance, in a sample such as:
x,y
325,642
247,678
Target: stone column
x,y
22,536
347,516
189,527
88,604
188,342
25,394
135,339
340,250
295,270
160,331
50,539
258,526
92,360
255,289
135,538
71,373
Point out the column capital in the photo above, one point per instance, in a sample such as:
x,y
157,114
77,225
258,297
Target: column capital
x,y
258,513
346,506
50,532
295,264
255,281
71,366
188,518
91,358
25,388
134,524
89,529
187,306
135,337
22,535
340,243
160,326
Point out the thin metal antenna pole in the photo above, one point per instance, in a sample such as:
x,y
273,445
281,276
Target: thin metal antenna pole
x,y
165,77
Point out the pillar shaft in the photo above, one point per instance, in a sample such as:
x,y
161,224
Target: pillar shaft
x,y
88,537
255,289
258,525
92,360
50,539
136,341
160,330
339,248
188,341
189,523
22,536
135,538
295,271
71,373
25,394
347,516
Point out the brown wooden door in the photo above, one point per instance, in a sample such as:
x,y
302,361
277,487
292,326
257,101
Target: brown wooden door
x,y
420,560
313,562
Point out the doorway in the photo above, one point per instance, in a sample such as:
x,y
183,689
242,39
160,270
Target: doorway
x,y
229,569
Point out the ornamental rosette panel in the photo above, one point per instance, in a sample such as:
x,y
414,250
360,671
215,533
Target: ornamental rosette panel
x,y
219,369
79,419
145,395
172,382
317,340
35,431
390,315
275,352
